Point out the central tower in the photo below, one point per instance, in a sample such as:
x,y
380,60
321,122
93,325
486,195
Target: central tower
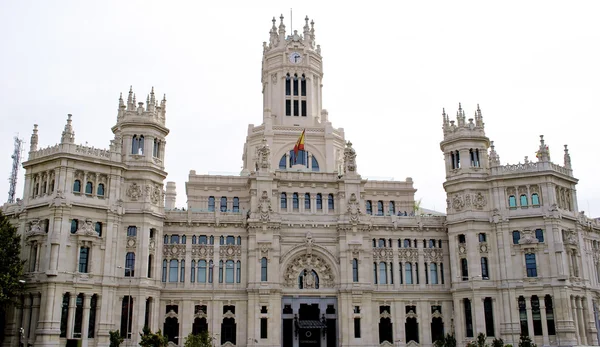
x,y
292,69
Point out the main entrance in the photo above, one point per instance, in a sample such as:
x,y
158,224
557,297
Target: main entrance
x,y
309,322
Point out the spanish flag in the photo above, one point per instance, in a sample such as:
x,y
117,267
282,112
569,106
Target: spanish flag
x,y
299,146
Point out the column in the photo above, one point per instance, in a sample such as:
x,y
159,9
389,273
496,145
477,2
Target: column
x,y
459,323
309,164
575,319
425,324
544,322
288,164
72,306
35,313
85,324
186,313
581,321
26,317
529,316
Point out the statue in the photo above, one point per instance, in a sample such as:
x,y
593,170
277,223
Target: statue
x,y
263,153
349,159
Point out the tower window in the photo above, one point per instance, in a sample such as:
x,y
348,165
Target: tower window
x,y
303,103
288,107
392,208
295,203
512,201
283,202
77,186
474,157
523,200
295,83
531,265
98,228
303,86
482,237
516,235
307,201
484,268
535,199
100,190
539,235
319,201
89,188
369,207
74,226
464,269
83,259
223,204
380,208
288,85
211,203
330,203
236,204
296,107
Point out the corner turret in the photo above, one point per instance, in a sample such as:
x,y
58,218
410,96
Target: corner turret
x,y
68,135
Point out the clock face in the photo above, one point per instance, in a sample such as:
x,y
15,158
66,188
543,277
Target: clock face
x,y
295,58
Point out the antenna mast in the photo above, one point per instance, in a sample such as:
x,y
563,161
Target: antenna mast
x,y
16,157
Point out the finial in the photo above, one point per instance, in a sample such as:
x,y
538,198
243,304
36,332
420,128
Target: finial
x,y
281,18
492,145
542,139
443,111
131,89
134,99
152,91
459,106
306,19
478,109
69,116
164,97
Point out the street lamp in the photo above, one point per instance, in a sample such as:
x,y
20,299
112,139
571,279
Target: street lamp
x,y
129,300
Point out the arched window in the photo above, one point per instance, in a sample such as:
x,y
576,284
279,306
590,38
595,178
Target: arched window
x,y
229,271
173,268
354,270
307,201
288,88
99,229
211,203
141,145
174,239
382,273
319,202
156,148
380,208
315,163
89,188
464,269
295,202
330,203
223,204
134,144
381,243
221,240
182,271
166,239
126,316
512,201
523,316
283,162
77,186
100,190
164,271
220,271
406,243
194,239
230,240
550,315
150,265
535,199
283,201
484,268
44,185
263,269
183,239
202,239
369,207
236,204
211,240
408,273
52,186
210,271
201,271
301,158
536,315
431,243
392,208
239,241
193,272
74,225
433,273
131,230
523,200
238,272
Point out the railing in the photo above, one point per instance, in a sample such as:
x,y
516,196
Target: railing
x,y
70,148
530,167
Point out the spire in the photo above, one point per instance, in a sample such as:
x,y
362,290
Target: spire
x,y
148,102
152,98
34,139
130,101
121,104
567,158
134,101
306,29
494,157
460,116
281,28
445,121
478,117
543,154
273,36
68,135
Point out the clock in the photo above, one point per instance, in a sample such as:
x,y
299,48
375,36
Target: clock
x,y
295,58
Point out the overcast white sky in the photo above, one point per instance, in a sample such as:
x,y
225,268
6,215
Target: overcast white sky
x,y
533,66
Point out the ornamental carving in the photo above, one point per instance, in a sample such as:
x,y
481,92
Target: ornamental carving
x,y
228,314
382,253
411,314
86,228
274,78
462,250
230,252
309,243
35,227
355,251
353,209
171,314
309,263
528,237
264,251
134,192
202,251
483,247
155,195
264,209
174,251
436,314
349,159
457,203
385,314
460,202
570,237
263,155
479,201
131,242
432,254
407,254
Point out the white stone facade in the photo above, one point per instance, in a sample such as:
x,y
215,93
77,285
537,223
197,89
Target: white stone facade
x,y
299,250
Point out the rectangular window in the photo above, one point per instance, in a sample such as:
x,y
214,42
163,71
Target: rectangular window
x,y
357,328
489,317
536,315
264,328
531,265
468,318
173,270
288,107
512,201
539,235
263,269
83,259
296,108
229,271
131,230
223,204
236,204
482,237
303,108
516,235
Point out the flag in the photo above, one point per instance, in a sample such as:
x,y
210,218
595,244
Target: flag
x,y
299,146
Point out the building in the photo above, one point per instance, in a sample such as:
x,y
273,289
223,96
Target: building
x,y
299,249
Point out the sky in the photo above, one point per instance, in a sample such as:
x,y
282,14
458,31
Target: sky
x,y
389,69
